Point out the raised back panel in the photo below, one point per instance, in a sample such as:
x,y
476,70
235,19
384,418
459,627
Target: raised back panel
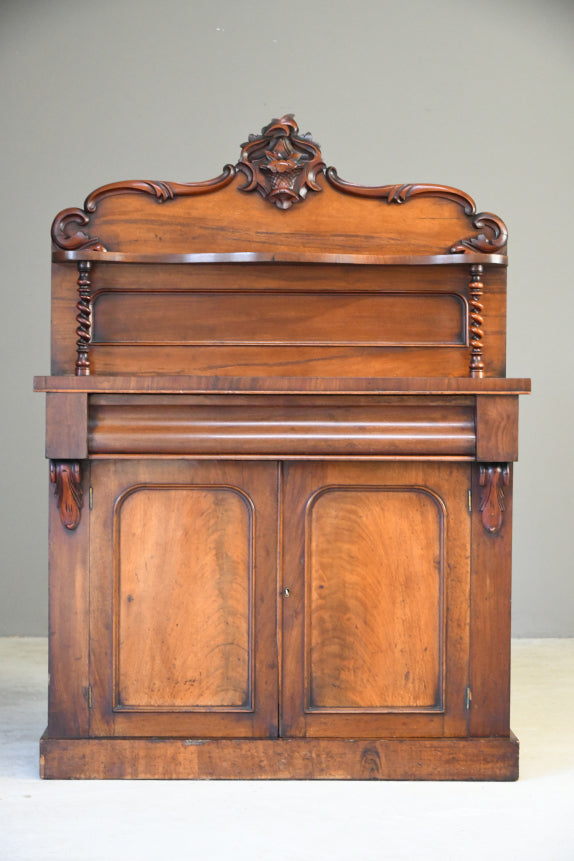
x,y
183,572
278,267
363,565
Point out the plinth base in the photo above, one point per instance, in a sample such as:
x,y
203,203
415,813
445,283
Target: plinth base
x,y
280,759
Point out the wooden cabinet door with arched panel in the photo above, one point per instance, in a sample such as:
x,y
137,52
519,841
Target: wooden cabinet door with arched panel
x,y
183,599
376,575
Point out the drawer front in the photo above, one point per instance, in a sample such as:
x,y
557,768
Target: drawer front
x,y
282,431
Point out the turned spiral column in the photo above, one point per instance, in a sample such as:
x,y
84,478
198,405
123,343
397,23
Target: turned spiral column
x,y
476,289
83,318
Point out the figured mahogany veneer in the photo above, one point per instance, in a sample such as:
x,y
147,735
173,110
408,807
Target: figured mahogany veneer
x,y
281,443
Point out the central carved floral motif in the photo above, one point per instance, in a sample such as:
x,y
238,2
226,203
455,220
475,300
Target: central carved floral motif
x,y
281,164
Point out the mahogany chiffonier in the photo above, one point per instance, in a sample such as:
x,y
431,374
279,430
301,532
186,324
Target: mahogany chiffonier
x,y
281,442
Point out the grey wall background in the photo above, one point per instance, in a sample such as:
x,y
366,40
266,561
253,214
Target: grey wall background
x,y
475,95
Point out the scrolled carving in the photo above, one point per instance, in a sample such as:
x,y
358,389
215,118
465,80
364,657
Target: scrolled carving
x,y
281,164
67,477
401,193
493,478
67,232
161,191
491,242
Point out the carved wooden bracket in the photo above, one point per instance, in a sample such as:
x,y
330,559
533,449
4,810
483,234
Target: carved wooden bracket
x,y
67,476
281,164
493,478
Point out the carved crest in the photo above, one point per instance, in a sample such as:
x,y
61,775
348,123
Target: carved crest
x,y
281,164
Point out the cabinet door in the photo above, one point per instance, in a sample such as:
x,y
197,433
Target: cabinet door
x,y
183,595
376,599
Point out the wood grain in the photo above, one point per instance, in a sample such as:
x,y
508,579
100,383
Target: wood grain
x,y
184,580
230,221
294,319
67,425
490,602
181,596
252,428
281,759
188,384
69,622
362,572
253,314
375,599
497,428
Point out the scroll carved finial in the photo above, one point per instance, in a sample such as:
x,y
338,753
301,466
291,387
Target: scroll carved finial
x,y
67,477
476,288
491,242
493,479
281,164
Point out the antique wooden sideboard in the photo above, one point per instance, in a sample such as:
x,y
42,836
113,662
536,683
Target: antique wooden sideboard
x,y
281,442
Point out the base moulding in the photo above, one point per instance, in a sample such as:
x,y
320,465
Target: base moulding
x,y
280,759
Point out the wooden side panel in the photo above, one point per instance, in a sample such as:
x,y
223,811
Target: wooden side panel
x,y
375,586
490,618
384,529
497,428
67,425
184,571
183,599
69,622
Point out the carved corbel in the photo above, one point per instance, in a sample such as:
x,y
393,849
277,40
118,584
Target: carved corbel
x,y
493,478
67,477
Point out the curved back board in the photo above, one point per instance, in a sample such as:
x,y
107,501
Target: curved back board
x,y
278,267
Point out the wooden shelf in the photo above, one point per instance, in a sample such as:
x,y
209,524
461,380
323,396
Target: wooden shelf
x,y
140,384
281,257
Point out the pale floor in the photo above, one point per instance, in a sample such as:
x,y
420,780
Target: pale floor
x,y
294,821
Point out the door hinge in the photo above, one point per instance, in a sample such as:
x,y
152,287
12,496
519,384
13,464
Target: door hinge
x,y
90,697
91,498
467,698
469,501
